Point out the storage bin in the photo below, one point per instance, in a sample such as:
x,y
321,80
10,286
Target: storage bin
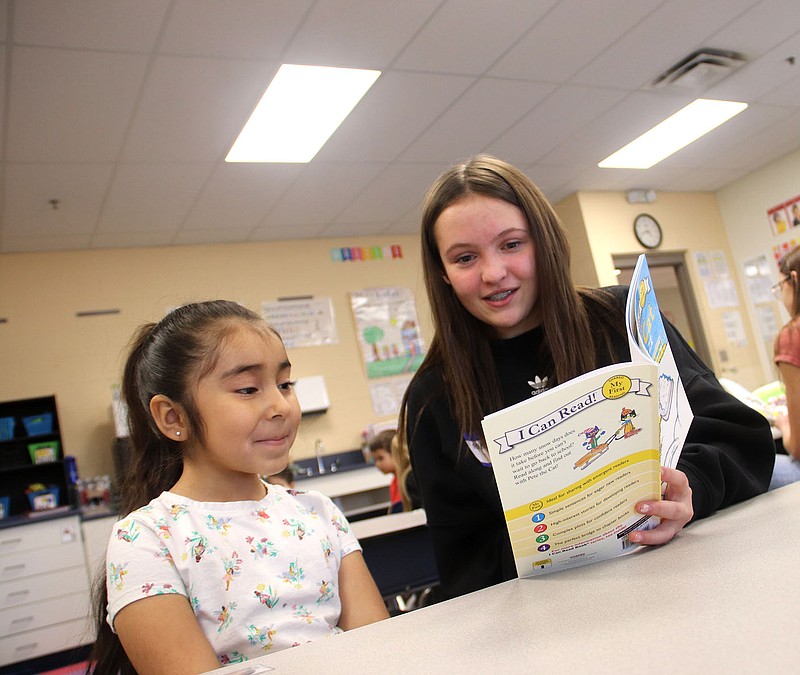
x,y
38,425
41,500
41,453
6,428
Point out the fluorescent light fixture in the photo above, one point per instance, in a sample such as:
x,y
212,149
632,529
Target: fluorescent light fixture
x,y
677,131
298,112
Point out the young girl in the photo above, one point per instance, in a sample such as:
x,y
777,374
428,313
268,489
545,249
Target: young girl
x,y
380,447
787,358
509,322
210,565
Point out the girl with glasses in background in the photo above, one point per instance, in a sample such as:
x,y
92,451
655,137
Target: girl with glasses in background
x,y
787,358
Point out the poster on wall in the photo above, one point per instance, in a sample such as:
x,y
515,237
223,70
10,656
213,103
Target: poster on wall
x,y
782,249
758,279
734,328
387,395
785,216
720,289
767,323
302,322
388,331
760,275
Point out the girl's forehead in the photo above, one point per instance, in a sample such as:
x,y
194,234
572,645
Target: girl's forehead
x,y
252,342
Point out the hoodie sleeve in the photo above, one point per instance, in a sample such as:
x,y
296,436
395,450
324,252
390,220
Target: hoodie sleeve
x,y
729,452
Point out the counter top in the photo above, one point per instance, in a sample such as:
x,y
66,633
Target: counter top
x,y
346,482
391,522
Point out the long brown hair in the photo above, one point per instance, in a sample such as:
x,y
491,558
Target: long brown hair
x,y
788,264
168,357
461,346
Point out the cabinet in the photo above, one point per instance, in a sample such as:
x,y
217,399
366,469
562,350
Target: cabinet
x,y
44,589
25,423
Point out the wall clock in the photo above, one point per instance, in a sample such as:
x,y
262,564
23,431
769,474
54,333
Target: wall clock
x,y
647,230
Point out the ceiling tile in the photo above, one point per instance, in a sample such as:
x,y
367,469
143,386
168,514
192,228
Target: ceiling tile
x,y
273,232
321,191
44,242
388,197
90,24
216,235
484,112
350,229
56,116
597,139
758,28
193,109
551,122
708,150
151,197
541,53
398,108
3,22
671,32
132,239
237,196
152,94
29,188
464,22
383,29
239,29
763,77
2,102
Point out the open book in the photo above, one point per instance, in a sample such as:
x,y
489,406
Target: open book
x,y
572,462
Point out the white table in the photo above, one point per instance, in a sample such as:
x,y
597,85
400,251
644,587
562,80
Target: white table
x,y
723,597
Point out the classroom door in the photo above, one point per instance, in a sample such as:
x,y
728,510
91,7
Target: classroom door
x,y
673,289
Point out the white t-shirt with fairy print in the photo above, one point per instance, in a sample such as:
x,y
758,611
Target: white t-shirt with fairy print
x,y
260,575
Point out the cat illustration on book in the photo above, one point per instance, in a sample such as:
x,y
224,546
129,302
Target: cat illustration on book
x,y
594,434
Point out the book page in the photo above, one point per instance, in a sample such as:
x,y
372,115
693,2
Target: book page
x,y
572,462
648,341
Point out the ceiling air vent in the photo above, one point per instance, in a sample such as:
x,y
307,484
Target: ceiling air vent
x,y
700,69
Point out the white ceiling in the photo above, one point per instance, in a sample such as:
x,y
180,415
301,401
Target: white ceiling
x,y
123,110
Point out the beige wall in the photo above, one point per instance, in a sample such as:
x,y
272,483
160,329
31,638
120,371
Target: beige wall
x,y
744,206
45,349
582,265
691,222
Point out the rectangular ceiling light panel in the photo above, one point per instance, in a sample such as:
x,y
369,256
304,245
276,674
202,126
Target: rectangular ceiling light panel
x,y
298,112
674,133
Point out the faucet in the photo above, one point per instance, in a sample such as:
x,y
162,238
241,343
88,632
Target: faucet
x,y
319,448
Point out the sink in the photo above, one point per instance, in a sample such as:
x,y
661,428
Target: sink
x,y
332,463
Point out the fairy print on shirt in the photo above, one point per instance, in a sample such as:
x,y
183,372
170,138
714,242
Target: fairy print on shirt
x,y
258,575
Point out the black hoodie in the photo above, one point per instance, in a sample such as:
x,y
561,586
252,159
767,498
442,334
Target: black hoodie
x,y
728,456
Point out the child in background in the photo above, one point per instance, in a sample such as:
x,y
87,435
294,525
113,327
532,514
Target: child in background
x,y
380,448
787,358
209,565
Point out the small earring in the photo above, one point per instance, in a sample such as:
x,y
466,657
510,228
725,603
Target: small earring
x,y
177,433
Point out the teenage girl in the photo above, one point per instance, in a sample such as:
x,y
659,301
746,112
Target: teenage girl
x,y
210,565
508,322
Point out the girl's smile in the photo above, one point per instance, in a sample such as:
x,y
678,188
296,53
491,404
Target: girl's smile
x,y
488,257
249,410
